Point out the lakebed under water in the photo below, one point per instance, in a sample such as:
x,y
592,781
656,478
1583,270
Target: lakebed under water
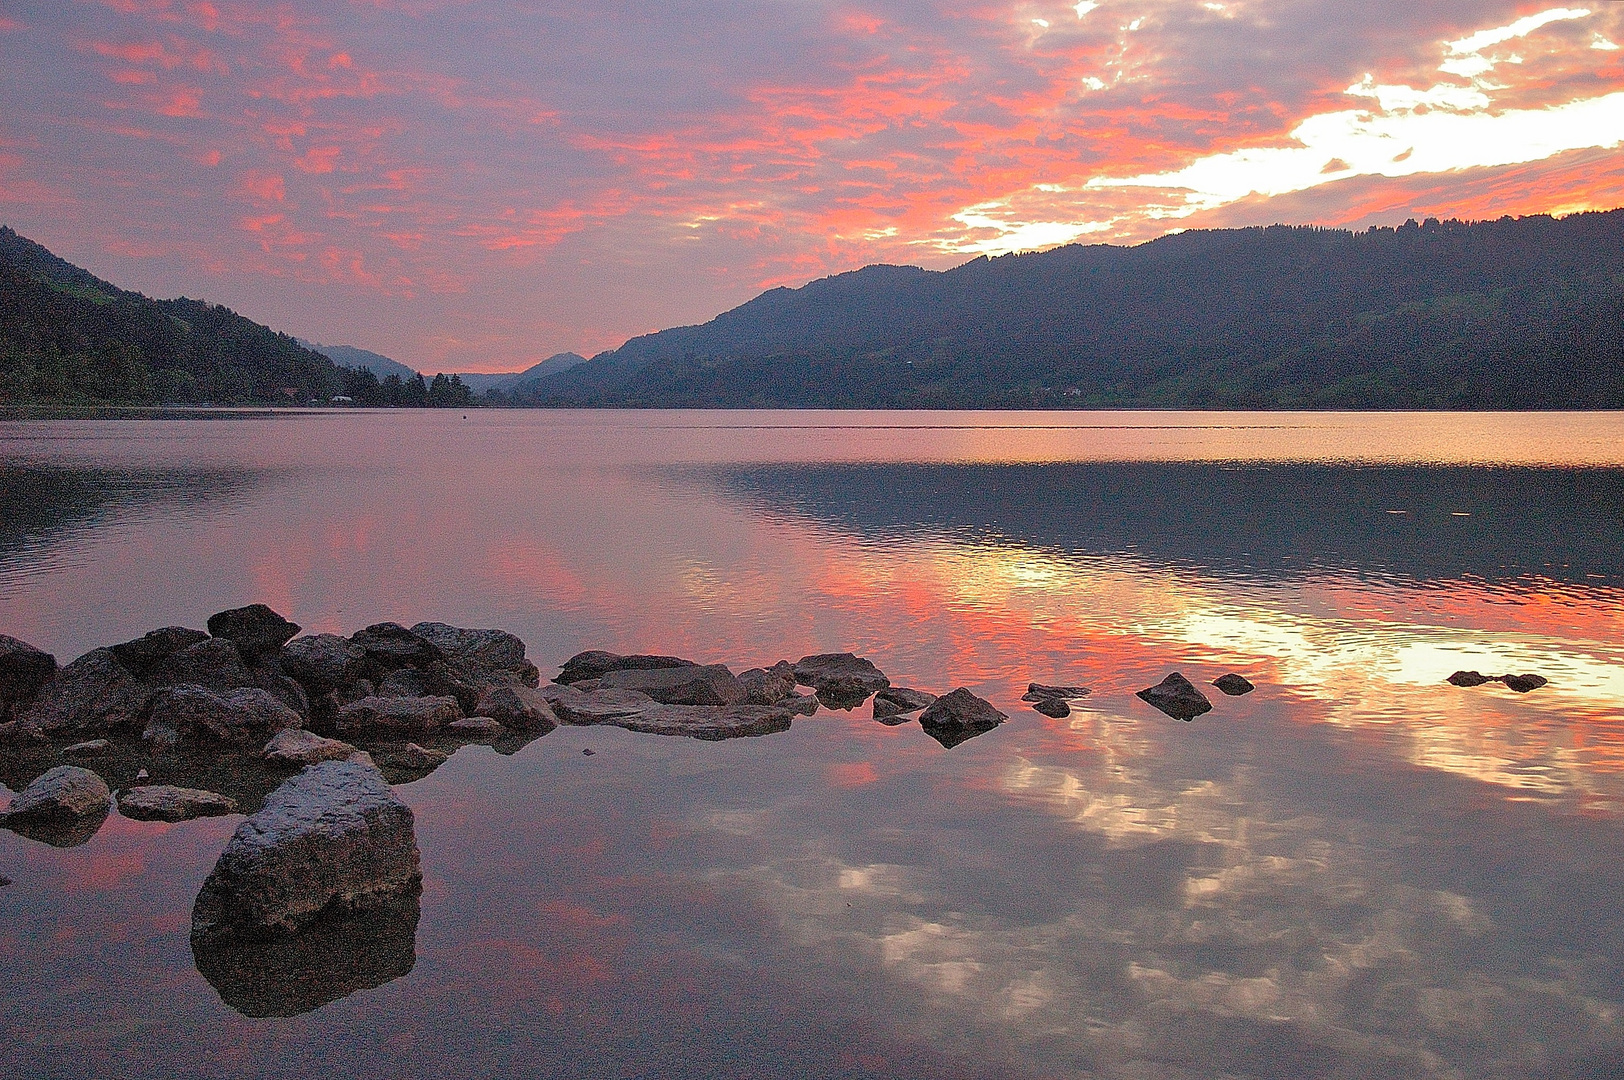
x,y
1357,870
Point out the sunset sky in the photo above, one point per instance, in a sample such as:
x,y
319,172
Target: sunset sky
x,y
468,185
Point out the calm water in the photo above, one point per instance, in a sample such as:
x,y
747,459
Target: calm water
x,y
1358,870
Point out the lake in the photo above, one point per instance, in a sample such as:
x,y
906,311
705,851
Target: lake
x,y
1357,870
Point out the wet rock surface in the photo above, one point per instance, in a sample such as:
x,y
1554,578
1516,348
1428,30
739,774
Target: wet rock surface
x,y
383,717
300,747
255,630
1044,692
595,663
601,706
954,718
1056,707
64,807
1234,685
165,802
1522,684
893,704
841,680
24,671
1177,697
710,722
1469,678
331,841
692,684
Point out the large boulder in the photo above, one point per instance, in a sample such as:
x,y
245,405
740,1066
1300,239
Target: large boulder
x,y
482,657
165,802
95,694
768,686
151,649
213,662
594,664
297,746
953,718
24,671
384,717
322,662
601,706
1177,697
892,704
518,707
841,680
64,807
242,715
256,630
711,684
332,840
390,645
711,722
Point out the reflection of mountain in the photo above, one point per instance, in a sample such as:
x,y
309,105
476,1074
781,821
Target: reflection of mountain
x,y
1423,523
41,506
291,974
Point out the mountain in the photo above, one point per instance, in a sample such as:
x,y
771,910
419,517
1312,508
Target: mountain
x,y
479,383
351,357
68,337
1514,313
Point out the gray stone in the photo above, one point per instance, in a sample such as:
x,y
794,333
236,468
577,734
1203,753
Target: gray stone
x,y
403,682
709,722
322,662
841,680
1234,685
518,707
214,663
554,693
602,706
297,746
483,657
1177,697
63,798
893,703
768,686
415,758
953,718
92,748
256,630
711,684
1043,692
595,664
95,694
148,651
164,802
390,645
332,840
381,717
798,704
478,727
24,672
241,715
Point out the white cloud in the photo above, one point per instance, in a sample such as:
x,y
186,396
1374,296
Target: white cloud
x,y
1521,28
1084,8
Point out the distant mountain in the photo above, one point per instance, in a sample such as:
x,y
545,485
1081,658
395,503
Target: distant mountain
x,y
1514,313
507,381
68,337
351,357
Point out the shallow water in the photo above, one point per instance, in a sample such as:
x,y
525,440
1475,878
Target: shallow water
x,y
1358,870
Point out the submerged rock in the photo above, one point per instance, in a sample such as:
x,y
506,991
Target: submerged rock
x,y
1057,707
1469,678
595,663
255,630
892,704
1043,692
710,722
151,649
95,694
1524,683
24,672
1177,697
381,717
330,841
953,718
300,747
1234,685
518,707
768,686
246,714
840,677
63,808
601,706
711,684
164,802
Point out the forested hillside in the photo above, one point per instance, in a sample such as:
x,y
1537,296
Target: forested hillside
x,y
1514,313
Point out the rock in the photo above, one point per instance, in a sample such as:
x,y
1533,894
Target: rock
x,y
1059,708
1469,678
768,686
842,680
214,663
389,646
587,752
710,722
1234,685
476,727
64,807
956,717
519,707
90,749
140,775
300,747
1524,683
164,802
1042,692
147,652
415,758
322,662
711,684
483,657
404,682
602,706
246,714
256,630
594,664
24,671
332,840
385,716
799,704
361,757
1177,697
95,694
892,704
289,974
553,693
